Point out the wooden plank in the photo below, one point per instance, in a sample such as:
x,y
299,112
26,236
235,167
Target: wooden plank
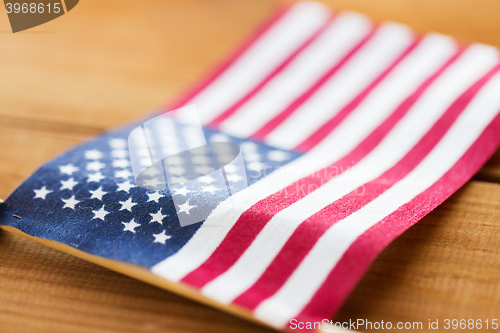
x,y
126,58
45,290
490,171
468,20
108,62
27,144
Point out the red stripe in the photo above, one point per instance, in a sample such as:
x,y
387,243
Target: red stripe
x,y
231,110
255,218
290,109
196,89
308,233
330,125
358,258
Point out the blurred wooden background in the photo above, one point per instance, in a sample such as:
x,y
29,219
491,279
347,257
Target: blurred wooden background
x,y
108,62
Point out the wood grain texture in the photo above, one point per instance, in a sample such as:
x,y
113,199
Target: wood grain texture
x,y
108,62
45,290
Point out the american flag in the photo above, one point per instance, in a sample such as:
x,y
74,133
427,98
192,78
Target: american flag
x,y
362,128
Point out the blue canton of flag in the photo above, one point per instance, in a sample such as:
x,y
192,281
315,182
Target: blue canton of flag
x,y
88,199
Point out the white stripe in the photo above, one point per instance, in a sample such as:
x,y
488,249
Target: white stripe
x,y
314,269
347,136
347,30
340,89
271,49
426,59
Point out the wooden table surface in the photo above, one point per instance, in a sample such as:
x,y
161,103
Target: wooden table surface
x,y
108,62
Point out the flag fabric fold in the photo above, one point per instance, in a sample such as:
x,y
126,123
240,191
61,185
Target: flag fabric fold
x,y
350,132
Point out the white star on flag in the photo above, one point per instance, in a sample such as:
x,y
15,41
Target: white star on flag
x,y
97,194
118,143
130,226
200,159
161,237
256,166
176,170
153,171
182,191
42,193
93,154
206,179
95,177
178,180
121,163
127,205
100,214
252,157
68,184
70,203
126,186
152,182
95,166
278,155
209,188
203,169
231,168
234,178
123,174
185,208
248,147
68,169
155,196
157,217
119,153
175,160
